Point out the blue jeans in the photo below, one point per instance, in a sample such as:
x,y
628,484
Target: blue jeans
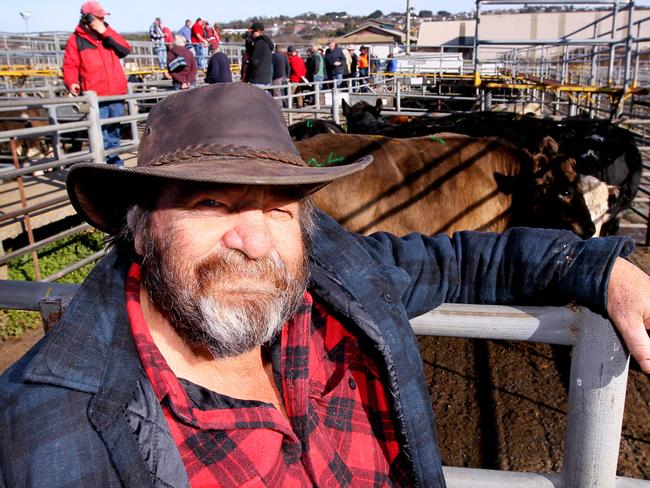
x,y
200,52
161,53
111,132
338,79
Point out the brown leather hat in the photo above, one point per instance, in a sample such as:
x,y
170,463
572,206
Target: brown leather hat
x,y
231,133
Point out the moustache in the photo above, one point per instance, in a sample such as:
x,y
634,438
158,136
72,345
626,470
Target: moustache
x,y
227,269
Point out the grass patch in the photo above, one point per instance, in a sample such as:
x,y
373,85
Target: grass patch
x,y
52,258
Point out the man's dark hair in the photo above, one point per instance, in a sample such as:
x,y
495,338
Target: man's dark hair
x,y
257,27
198,18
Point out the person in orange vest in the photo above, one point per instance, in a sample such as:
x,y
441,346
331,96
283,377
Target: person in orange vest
x,y
363,64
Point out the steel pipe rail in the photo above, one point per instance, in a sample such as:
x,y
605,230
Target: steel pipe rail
x,y
43,130
599,369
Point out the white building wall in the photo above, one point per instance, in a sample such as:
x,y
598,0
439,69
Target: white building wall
x,y
535,26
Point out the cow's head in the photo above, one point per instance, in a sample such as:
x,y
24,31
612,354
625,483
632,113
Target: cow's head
x,y
362,117
548,196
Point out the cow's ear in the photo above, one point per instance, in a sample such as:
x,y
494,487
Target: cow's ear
x,y
346,107
378,106
505,184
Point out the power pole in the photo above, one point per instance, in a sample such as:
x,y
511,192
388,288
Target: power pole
x,y
408,26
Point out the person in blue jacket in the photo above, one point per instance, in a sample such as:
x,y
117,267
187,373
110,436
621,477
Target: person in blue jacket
x,y
235,335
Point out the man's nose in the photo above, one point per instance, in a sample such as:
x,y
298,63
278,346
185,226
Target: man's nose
x,y
249,234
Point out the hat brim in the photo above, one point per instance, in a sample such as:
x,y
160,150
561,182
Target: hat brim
x,y
102,193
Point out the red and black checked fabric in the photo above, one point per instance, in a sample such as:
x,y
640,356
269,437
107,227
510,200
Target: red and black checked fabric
x,y
340,430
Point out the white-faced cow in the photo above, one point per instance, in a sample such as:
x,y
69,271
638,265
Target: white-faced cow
x,y
444,183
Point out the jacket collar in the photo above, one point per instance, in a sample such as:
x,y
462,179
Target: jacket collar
x,y
79,349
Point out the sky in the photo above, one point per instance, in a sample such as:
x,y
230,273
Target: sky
x,y
137,15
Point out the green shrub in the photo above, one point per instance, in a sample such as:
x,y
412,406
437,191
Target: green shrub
x,y
51,258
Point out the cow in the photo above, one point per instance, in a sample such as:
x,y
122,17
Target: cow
x,y
30,147
311,127
444,183
600,148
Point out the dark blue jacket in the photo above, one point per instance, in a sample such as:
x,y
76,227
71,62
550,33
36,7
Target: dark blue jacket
x,y
280,66
77,410
218,69
333,56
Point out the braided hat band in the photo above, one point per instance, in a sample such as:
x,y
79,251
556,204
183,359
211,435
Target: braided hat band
x,y
230,151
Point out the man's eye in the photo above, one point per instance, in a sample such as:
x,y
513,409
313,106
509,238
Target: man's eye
x,y
281,214
208,202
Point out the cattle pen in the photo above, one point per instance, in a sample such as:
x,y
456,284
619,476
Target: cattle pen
x,y
606,75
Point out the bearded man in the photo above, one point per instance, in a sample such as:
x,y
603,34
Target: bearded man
x,y
236,336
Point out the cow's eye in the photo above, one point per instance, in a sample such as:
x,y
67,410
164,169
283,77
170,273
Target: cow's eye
x,y
565,193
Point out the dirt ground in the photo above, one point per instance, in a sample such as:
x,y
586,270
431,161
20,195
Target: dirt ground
x,y
501,405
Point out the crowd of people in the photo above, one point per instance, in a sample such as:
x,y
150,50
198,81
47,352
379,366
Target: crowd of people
x,y
196,46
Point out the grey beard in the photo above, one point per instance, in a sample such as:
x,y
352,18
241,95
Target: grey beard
x,y
211,305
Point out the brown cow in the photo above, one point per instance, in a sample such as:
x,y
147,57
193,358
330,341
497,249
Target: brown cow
x,y
30,147
444,183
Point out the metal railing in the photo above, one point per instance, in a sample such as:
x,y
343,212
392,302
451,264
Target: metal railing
x,y
598,378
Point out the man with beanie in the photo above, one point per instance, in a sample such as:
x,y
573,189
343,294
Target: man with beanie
x,y
259,49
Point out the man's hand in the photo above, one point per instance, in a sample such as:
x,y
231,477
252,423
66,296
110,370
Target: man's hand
x,y
98,26
75,89
628,305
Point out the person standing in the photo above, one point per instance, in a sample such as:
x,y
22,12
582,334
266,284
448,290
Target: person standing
x,y
315,65
183,76
212,36
281,72
363,68
186,31
334,61
199,42
91,62
218,68
157,37
297,75
259,49
354,64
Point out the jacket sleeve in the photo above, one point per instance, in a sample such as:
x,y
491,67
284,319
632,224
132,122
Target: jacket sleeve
x,y
522,266
71,62
112,40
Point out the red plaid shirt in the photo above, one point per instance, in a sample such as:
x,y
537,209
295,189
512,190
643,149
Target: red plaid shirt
x,y
340,430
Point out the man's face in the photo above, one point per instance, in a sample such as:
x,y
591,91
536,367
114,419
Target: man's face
x,y
331,45
188,23
227,264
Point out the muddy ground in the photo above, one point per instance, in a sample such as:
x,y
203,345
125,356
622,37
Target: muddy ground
x,y
502,405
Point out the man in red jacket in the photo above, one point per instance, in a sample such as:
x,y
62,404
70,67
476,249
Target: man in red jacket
x,y
92,63
298,73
